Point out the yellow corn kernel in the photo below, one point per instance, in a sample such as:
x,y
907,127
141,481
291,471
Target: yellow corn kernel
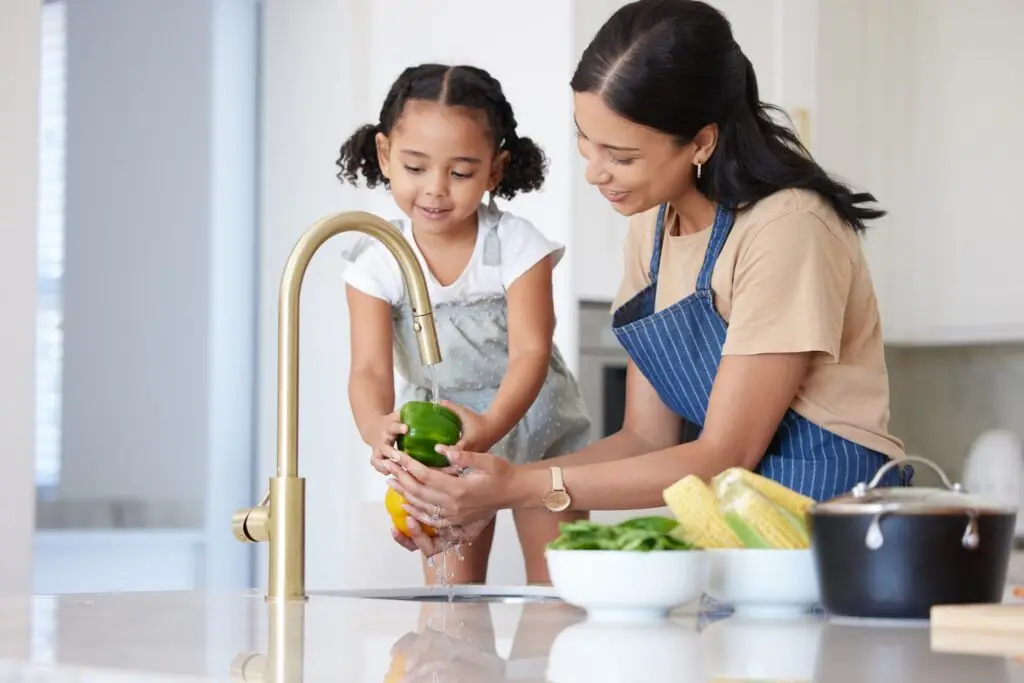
x,y
797,504
758,522
700,521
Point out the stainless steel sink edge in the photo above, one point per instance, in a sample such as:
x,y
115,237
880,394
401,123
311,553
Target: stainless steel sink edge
x,y
459,593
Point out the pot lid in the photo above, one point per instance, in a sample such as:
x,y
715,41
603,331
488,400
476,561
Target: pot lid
x,y
910,500
870,499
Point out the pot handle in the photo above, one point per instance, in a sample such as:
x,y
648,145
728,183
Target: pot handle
x,y
913,458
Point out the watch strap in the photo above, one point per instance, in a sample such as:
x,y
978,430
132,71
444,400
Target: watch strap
x,y
557,482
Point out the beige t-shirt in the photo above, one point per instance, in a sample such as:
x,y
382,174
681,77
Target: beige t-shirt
x,y
791,278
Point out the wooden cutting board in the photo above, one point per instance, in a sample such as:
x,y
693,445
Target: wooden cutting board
x,y
1007,618
981,643
994,629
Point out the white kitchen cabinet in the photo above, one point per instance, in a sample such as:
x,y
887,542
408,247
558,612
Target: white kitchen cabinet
x,y
918,102
778,36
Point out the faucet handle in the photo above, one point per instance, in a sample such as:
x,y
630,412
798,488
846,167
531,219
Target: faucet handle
x,y
251,525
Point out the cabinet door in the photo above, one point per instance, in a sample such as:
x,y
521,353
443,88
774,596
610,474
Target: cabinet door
x,y
969,67
918,103
865,106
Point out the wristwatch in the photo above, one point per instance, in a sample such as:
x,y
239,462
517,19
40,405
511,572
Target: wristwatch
x,y
557,499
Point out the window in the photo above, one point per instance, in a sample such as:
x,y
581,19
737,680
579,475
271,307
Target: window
x,y
50,269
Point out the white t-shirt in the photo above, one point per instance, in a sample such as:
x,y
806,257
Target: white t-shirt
x,y
374,271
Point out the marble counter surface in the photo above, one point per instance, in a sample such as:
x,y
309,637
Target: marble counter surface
x,y
188,636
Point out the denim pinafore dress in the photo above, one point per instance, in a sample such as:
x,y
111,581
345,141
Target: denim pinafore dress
x,y
678,349
473,336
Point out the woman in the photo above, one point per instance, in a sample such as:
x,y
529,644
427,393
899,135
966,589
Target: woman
x,y
746,306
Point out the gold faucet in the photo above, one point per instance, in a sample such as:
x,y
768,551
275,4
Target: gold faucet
x,y
280,518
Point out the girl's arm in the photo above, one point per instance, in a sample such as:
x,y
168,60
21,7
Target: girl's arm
x,y
531,326
371,382
749,399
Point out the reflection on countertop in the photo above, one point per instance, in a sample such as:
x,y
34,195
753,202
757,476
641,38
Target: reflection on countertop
x,y
191,636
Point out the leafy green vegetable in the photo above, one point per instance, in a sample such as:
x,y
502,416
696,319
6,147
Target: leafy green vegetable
x,y
639,534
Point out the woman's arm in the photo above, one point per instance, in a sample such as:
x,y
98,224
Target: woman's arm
x,y
531,326
647,425
748,401
371,381
750,396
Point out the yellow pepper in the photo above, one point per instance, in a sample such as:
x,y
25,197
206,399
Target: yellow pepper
x,y
393,502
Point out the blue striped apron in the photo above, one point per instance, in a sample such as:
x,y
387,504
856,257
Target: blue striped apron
x,y
678,350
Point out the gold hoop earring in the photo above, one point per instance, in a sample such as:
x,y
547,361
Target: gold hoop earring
x,y
698,170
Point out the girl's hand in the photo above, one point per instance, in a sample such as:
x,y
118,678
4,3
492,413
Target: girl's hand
x,y
442,499
386,430
478,431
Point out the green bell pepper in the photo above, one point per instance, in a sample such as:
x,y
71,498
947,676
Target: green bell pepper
x,y
428,425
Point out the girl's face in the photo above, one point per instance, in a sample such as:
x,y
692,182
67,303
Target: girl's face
x,y
440,161
635,167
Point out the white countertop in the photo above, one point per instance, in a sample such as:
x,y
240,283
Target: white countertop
x,y
188,636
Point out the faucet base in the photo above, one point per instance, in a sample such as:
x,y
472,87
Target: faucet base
x,y
287,539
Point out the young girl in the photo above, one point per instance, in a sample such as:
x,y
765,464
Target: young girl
x,y
446,136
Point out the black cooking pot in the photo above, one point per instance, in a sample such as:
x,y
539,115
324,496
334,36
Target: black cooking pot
x,y
892,553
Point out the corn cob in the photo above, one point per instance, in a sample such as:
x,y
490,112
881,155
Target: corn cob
x,y
785,498
700,521
758,522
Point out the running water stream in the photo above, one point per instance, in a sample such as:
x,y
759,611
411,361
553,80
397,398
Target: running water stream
x,y
441,574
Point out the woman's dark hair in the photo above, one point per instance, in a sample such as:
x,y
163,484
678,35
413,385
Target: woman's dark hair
x,y
674,66
456,86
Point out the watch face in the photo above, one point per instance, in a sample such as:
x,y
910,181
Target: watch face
x,y
557,501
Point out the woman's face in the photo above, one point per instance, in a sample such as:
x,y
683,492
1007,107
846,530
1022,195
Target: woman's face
x,y
635,167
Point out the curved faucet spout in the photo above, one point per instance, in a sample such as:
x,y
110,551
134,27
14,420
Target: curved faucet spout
x,y
288,315
281,517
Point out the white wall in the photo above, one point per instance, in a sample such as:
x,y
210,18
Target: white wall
x,y
19,125
310,85
328,64
160,275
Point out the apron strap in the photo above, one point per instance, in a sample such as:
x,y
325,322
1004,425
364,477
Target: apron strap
x,y
659,238
492,242
492,247
719,233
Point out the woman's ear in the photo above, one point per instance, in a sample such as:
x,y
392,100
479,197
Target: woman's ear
x,y
498,169
704,143
383,152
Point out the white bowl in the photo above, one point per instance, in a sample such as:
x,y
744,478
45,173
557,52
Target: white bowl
x,y
623,585
763,583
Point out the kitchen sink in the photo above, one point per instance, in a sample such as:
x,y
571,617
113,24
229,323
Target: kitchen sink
x,y
460,593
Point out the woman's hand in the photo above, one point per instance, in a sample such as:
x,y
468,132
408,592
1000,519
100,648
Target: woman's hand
x,y
478,431
386,430
482,486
